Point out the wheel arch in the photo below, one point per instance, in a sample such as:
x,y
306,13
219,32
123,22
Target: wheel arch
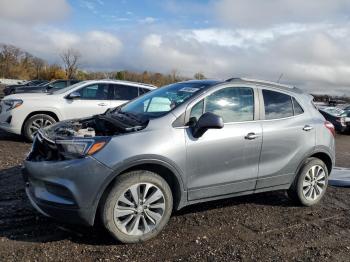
x,y
325,159
322,155
164,169
44,112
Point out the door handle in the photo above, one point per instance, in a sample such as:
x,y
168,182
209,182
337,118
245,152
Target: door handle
x,y
102,104
251,136
307,128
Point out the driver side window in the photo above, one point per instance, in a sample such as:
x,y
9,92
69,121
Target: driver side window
x,y
233,104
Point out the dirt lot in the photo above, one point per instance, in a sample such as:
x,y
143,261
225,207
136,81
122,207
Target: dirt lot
x,y
260,227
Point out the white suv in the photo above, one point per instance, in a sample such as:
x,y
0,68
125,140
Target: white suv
x,y
24,114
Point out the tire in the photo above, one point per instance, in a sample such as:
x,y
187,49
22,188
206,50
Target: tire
x,y
32,125
121,221
310,184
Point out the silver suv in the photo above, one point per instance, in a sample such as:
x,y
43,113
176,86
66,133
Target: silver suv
x,y
181,144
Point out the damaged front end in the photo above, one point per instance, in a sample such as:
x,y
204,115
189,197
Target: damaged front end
x,y
80,138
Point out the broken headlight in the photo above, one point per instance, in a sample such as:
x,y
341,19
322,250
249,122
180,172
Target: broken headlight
x,y
80,147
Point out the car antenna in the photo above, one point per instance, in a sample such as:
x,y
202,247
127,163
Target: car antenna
x,y
279,79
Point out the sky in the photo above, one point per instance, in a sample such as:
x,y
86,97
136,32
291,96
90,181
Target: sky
x,y
306,41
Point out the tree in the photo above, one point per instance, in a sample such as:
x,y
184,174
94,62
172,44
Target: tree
x,y
199,76
38,64
70,59
174,75
120,75
9,61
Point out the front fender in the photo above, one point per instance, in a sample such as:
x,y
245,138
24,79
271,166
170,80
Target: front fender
x,y
141,160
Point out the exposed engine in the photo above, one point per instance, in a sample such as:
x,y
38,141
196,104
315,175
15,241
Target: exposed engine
x,y
50,144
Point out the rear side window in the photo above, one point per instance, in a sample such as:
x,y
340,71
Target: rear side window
x,y
143,91
298,110
123,92
277,105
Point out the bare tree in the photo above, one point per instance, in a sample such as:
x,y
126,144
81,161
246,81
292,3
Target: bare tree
x,y
70,59
199,76
174,75
38,64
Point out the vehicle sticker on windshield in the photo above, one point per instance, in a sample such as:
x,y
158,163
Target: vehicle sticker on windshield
x,y
189,89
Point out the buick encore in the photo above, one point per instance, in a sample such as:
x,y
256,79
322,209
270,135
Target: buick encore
x,y
181,144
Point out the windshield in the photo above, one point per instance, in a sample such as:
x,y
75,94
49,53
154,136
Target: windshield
x,y
66,89
163,100
334,111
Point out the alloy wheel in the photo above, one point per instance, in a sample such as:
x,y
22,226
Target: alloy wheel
x,y
37,124
314,183
139,209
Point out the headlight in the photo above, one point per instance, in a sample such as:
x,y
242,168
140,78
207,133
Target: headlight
x,y
13,103
80,147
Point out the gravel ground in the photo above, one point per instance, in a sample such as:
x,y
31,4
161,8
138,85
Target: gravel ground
x,y
260,227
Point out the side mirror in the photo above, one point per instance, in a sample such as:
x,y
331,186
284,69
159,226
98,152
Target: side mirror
x,y
73,95
207,121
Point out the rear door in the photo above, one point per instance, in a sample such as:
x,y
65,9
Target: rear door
x,y
120,94
288,136
225,161
94,99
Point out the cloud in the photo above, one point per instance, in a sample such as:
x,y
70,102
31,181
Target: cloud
x,y
314,57
307,41
33,11
257,13
98,49
147,20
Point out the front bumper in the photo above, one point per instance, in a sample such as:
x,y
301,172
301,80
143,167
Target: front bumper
x,y
8,121
68,191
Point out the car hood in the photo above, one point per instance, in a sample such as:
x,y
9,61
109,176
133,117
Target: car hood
x,y
29,96
98,125
30,88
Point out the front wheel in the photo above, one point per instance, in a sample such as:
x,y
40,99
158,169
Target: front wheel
x,y
311,183
137,207
34,123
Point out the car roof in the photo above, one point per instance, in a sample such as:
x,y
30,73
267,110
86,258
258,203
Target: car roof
x,y
240,80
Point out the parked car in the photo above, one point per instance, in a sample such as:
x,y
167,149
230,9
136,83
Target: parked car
x,y
11,89
178,145
53,85
24,114
338,117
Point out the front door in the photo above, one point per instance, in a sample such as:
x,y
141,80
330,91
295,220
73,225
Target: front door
x,y
225,161
94,99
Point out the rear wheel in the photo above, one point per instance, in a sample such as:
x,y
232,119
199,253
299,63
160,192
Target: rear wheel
x,y
34,123
138,206
311,183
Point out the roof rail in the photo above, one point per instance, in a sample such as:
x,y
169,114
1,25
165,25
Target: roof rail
x,y
125,81
258,81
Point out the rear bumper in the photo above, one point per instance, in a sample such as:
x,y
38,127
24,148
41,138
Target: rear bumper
x,y
66,190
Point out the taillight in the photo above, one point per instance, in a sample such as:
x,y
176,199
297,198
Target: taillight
x,y
330,127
